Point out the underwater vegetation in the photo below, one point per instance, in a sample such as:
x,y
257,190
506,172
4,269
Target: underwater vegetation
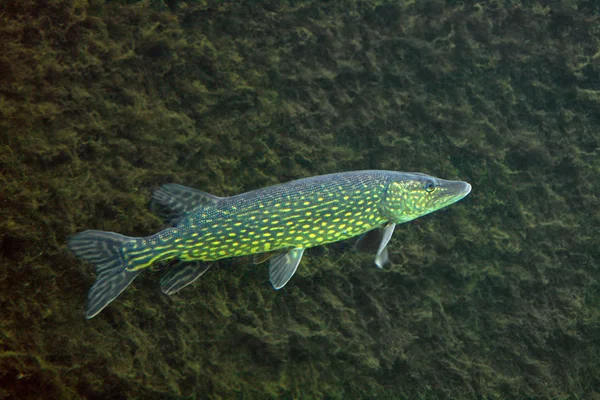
x,y
498,297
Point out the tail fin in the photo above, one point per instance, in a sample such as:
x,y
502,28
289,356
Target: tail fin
x,y
105,250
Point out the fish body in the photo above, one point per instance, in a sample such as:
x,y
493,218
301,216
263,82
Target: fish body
x,y
276,223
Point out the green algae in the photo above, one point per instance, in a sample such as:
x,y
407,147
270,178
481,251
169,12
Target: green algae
x,y
498,297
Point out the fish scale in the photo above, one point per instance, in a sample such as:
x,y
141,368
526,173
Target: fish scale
x,y
309,213
280,220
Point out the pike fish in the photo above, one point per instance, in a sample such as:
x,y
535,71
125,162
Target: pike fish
x,y
275,223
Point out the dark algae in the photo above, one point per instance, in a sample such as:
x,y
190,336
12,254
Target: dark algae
x,y
102,102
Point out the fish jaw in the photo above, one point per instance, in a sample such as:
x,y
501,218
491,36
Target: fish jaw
x,y
413,195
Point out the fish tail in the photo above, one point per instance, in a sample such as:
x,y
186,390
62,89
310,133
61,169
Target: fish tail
x,y
107,251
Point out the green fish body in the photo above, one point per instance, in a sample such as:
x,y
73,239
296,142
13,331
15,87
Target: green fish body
x,y
276,223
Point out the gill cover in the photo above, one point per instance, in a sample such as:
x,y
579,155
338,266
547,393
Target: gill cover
x,y
415,195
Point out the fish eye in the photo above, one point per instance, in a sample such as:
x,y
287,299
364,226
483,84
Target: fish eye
x,y
429,186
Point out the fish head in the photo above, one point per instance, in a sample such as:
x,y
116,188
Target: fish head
x,y
412,195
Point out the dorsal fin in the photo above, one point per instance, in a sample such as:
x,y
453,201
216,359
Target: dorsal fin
x,y
171,202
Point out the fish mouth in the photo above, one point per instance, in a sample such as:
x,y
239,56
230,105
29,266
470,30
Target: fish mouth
x,y
467,189
456,189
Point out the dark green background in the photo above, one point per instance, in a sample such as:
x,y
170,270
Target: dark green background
x,y
497,297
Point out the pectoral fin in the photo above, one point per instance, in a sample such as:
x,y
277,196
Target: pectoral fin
x,y
369,241
180,274
283,266
382,254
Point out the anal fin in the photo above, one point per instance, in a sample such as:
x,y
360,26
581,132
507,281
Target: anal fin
x,y
180,274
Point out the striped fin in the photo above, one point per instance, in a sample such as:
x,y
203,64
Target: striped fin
x,y
180,274
283,266
105,250
171,202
